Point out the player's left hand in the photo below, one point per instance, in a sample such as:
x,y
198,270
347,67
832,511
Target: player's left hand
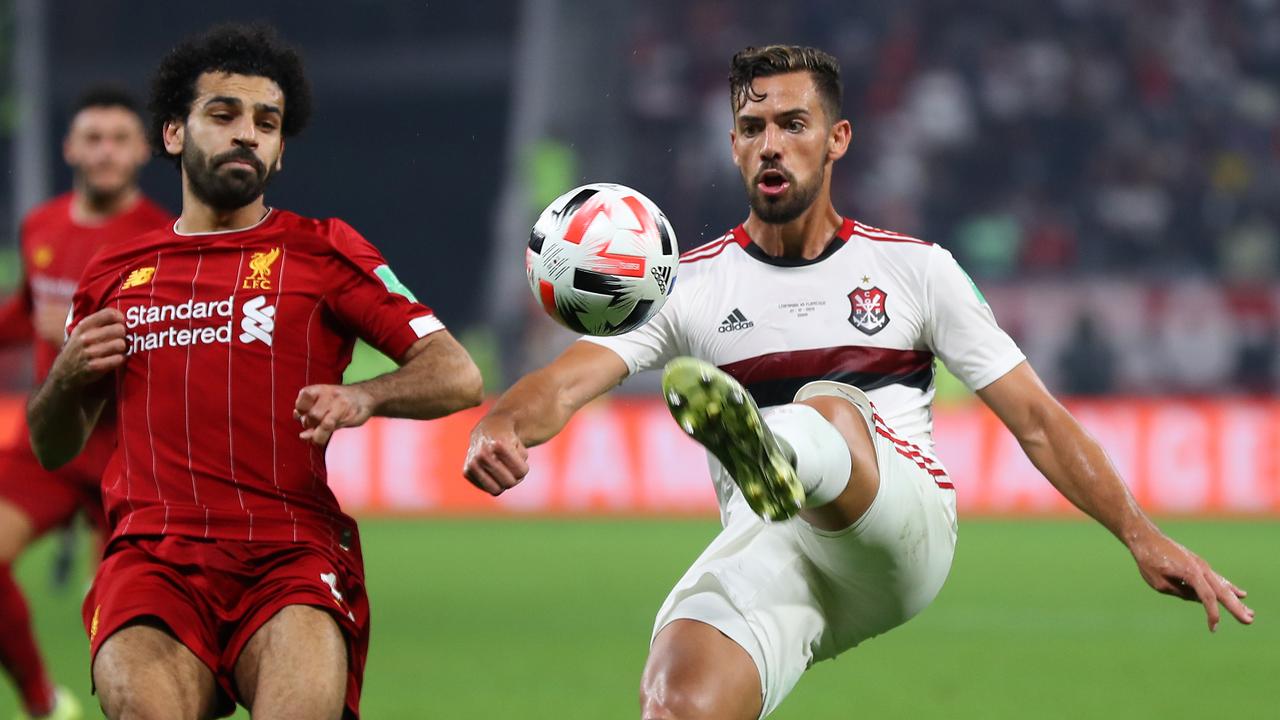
x,y
322,409
1174,570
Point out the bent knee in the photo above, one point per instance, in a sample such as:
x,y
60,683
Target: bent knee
x,y
679,696
123,702
675,702
841,413
846,418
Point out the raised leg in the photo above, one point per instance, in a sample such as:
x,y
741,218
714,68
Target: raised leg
x,y
814,458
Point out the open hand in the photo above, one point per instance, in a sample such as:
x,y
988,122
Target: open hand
x,y
1174,570
322,409
496,460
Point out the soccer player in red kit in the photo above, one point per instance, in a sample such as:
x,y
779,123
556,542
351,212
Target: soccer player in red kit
x,y
105,146
231,574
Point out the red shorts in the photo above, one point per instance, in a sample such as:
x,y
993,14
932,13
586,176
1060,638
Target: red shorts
x,y
213,595
49,498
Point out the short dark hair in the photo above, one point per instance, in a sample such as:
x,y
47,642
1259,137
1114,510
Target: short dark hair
x,y
751,63
233,48
106,96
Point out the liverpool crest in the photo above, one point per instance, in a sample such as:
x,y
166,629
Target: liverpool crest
x,y
260,263
867,310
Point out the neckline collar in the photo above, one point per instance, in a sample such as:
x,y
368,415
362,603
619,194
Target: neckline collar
x,y
267,215
837,241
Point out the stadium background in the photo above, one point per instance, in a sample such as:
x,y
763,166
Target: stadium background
x,y
1109,172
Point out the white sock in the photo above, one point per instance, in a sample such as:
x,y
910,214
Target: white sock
x,y
818,450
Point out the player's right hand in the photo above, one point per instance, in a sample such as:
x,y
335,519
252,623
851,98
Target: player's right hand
x,y
496,460
94,348
1172,569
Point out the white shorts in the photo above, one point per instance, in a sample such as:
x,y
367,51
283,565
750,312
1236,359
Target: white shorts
x,y
791,594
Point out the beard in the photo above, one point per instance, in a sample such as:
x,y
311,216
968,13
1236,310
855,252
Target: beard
x,y
225,190
787,207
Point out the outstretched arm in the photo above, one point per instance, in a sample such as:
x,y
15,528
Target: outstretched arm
x,y
1078,467
63,411
436,377
534,410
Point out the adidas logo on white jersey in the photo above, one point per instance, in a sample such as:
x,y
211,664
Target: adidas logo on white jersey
x,y
735,321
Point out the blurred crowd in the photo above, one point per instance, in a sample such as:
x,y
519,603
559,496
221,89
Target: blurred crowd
x,y
1080,136
1122,139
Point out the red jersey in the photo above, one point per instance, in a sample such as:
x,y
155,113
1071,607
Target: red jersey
x,y
55,250
223,330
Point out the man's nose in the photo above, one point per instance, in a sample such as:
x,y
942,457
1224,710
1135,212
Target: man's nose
x,y
771,149
246,133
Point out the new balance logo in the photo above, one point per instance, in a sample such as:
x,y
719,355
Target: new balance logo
x,y
259,321
735,321
138,277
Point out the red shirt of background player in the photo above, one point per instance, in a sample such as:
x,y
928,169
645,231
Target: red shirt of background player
x,y
55,251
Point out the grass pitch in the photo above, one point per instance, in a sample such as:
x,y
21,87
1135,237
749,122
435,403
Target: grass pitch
x,y
551,619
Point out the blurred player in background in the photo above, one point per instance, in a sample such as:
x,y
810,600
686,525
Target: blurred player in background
x,y
106,147
816,315
231,574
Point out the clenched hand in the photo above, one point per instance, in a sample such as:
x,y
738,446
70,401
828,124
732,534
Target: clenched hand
x,y
496,459
322,409
96,347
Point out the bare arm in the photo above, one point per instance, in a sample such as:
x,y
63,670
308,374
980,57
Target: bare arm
x,y
1078,467
436,377
63,411
534,410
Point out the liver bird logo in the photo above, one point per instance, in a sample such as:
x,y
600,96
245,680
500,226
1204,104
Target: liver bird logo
x,y
260,263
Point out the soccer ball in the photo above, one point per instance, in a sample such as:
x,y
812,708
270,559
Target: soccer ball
x,y
602,259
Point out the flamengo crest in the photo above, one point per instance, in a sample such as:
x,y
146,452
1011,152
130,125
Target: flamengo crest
x,y
867,313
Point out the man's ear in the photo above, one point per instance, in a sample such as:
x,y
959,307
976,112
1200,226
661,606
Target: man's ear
x,y
68,155
175,135
838,140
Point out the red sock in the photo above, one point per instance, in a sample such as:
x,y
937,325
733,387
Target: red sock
x,y
18,652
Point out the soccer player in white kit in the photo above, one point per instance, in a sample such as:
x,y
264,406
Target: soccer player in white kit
x,y
832,326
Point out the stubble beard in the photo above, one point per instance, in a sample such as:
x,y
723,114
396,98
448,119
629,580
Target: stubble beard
x,y
784,209
224,191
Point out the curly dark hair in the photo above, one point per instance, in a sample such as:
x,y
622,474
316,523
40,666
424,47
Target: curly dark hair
x,y
751,63
253,49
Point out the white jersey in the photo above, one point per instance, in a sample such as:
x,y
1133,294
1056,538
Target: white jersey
x,y
872,311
